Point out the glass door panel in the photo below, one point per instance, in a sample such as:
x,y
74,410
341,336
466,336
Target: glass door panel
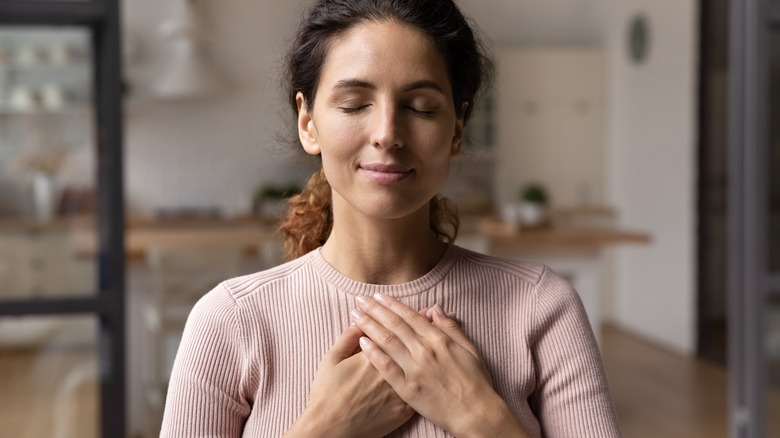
x,y
774,157
47,163
772,317
49,376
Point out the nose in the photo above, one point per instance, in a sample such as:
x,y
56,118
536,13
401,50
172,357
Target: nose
x,y
386,130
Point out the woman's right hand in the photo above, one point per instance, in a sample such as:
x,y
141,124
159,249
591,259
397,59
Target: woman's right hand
x,y
348,397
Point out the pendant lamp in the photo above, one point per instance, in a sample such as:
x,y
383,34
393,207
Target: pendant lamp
x,y
187,73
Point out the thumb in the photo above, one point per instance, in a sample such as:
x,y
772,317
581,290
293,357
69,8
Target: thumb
x,y
451,328
345,345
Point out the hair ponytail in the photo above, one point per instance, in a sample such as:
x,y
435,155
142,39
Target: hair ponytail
x,y
444,219
309,217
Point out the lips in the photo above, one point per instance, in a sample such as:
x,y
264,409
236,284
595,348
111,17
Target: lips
x,y
386,173
387,168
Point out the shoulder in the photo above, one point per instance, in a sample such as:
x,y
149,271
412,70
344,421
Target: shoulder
x,y
550,289
223,312
527,272
241,287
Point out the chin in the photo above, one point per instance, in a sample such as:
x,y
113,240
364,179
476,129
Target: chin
x,y
393,209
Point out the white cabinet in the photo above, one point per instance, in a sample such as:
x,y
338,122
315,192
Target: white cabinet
x,y
46,115
42,264
551,124
43,70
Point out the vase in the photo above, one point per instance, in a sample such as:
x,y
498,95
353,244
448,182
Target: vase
x,y
43,196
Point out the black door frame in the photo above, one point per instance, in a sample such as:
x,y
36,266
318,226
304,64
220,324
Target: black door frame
x,y
748,256
108,304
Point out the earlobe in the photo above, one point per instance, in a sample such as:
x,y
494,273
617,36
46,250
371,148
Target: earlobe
x,y
458,136
307,131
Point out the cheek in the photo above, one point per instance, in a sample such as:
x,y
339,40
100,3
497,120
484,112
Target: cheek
x,y
338,150
439,145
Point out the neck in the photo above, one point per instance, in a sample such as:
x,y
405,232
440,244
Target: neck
x,y
383,251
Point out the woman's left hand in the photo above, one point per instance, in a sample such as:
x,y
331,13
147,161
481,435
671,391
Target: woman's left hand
x,y
433,367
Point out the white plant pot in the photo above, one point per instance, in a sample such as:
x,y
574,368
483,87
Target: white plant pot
x,y
531,214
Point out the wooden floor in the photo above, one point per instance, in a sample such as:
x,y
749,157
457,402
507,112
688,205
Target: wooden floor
x,y
657,393
48,394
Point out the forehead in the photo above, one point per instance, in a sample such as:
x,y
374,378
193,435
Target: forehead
x,y
385,53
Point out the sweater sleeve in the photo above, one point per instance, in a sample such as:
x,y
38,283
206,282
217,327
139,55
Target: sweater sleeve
x,y
205,386
571,397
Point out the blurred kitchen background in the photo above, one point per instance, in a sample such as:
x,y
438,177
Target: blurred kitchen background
x,y
602,150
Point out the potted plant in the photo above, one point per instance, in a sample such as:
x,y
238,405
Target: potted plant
x,y
268,199
532,211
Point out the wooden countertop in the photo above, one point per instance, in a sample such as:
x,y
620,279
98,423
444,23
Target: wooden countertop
x,y
562,239
187,234
250,233
502,238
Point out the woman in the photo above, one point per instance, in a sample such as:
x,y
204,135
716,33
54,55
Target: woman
x,y
351,337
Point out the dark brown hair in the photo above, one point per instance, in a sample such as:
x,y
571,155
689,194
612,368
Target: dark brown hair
x,y
309,217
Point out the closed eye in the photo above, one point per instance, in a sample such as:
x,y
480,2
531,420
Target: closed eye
x,y
422,112
352,110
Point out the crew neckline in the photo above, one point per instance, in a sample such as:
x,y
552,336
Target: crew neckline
x,y
414,287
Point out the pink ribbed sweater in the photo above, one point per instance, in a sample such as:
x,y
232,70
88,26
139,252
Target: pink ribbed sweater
x,y
252,345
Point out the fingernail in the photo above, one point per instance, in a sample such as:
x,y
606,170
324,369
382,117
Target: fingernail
x,y
360,299
379,297
439,310
429,313
363,342
356,314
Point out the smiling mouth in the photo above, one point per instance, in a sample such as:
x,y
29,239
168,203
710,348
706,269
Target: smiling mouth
x,y
386,173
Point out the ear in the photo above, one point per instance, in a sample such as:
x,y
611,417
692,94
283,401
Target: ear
x,y
458,136
307,132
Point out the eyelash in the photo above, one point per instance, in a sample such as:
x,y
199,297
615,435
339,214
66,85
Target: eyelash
x,y
353,110
358,109
423,113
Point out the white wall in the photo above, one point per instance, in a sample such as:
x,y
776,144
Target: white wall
x,y
215,151
538,23
551,124
651,142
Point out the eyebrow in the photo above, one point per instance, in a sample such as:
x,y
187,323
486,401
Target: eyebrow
x,y
357,83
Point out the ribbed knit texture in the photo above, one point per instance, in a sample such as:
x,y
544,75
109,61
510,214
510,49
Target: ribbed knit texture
x,y
252,345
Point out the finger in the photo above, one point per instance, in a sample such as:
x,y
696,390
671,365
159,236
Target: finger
x,y
387,339
452,329
420,325
394,321
429,314
345,345
390,371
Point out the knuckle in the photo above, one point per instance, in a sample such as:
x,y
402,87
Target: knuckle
x,y
386,338
427,353
413,390
451,324
383,363
395,321
369,306
407,313
440,341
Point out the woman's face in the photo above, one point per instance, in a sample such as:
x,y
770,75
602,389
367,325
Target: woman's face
x,y
383,120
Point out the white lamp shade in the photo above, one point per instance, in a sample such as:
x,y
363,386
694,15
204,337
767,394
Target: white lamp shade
x,y
187,75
